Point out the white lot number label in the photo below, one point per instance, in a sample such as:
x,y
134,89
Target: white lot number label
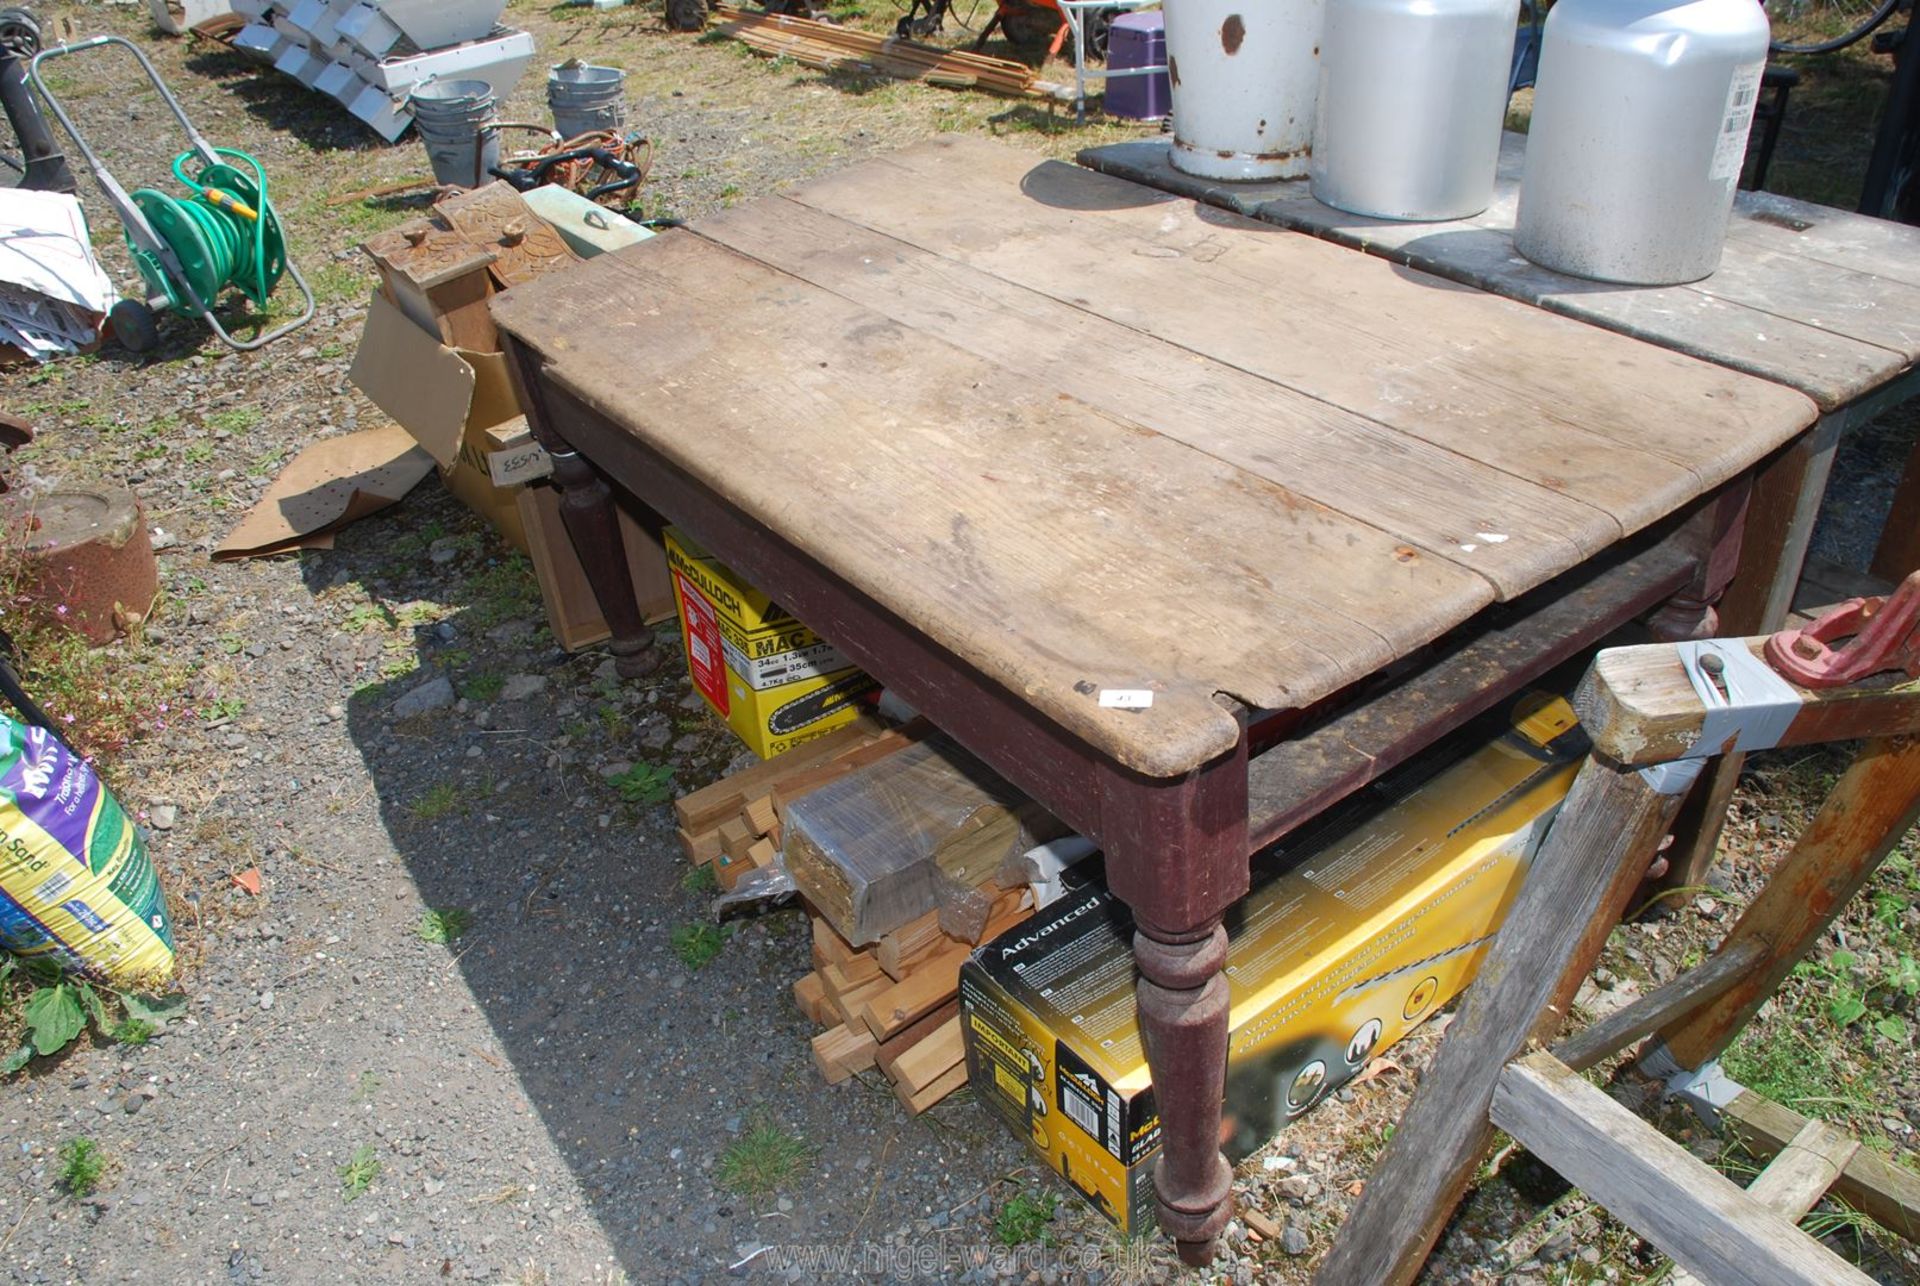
x,y
1126,699
1730,149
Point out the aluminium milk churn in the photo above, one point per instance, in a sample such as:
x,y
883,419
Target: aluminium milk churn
x,y
1413,94
1640,123
1244,74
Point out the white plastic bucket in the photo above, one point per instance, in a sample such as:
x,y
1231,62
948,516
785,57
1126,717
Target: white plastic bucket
x,y
1245,75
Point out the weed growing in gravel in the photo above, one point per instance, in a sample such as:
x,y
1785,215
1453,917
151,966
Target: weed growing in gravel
x,y
358,1174
443,924
764,1159
364,616
45,1012
700,879
645,784
82,1164
132,1031
482,687
436,803
1025,1218
502,591
698,944
238,420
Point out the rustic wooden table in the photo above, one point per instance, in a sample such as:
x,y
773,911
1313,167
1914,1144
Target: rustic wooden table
x,y
1113,486
1817,299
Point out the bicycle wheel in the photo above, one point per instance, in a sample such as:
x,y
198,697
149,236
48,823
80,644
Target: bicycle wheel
x,y
1822,26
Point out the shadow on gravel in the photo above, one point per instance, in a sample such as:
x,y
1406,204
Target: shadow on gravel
x,y
283,104
505,802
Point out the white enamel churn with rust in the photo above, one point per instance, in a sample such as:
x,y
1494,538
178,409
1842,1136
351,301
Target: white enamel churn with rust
x,y
1640,124
1244,75
1412,97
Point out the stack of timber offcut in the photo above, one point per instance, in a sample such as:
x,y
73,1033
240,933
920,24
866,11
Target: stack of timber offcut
x,y
899,841
908,863
895,1006
831,47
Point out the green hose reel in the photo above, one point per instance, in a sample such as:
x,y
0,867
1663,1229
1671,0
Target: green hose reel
x,y
216,244
222,233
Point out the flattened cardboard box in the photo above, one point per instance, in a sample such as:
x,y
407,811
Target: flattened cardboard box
x,y
1355,931
775,682
459,404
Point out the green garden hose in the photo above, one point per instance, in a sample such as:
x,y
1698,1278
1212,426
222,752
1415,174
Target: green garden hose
x,y
224,233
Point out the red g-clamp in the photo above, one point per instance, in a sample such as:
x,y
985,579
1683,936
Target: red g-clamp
x,y
1883,634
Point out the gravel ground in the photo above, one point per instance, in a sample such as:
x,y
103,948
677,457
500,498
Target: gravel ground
x,y
387,729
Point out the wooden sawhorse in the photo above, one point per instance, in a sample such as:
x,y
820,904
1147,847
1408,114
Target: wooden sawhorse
x,y
1656,714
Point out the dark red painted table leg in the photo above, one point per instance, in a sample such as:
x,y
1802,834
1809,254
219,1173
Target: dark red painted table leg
x,y
593,524
1177,855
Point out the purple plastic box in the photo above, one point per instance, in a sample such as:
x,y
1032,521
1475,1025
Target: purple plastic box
x,y
1139,40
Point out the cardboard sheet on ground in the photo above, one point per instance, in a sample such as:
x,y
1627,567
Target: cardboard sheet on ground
x,y
331,484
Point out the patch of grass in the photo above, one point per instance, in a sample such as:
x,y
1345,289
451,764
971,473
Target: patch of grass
x,y
132,1031
358,1174
1024,1219
364,616
482,687
82,1165
226,708
503,591
698,944
335,283
364,1088
701,879
613,722
764,1159
436,803
238,420
444,924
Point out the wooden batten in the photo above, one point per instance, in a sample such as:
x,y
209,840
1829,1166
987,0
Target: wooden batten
x,y
918,1101
903,1041
841,1051
810,998
930,1059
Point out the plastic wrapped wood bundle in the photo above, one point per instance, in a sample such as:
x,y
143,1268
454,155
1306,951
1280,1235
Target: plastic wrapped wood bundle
x,y
915,834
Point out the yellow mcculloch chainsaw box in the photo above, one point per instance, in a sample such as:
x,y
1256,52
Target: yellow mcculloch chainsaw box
x,y
775,682
1358,927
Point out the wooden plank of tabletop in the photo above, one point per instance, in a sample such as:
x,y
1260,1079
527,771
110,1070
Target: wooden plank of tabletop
x,y
1433,499
1627,427
1061,550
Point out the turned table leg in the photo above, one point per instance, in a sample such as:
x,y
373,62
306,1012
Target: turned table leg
x,y
1177,855
593,525
1183,1018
